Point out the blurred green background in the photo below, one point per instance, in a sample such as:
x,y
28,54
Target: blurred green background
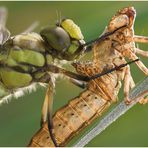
x,y
19,119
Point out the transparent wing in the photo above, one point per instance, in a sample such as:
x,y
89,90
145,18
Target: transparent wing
x,y
31,27
4,33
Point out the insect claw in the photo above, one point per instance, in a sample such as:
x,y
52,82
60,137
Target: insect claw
x,y
143,101
128,101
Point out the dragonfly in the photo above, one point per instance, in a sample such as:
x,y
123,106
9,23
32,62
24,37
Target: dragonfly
x,y
101,92
26,60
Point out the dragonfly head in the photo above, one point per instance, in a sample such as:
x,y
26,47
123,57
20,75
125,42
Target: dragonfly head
x,y
63,41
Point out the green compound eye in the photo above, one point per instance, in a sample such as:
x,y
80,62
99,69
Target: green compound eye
x,y
73,30
63,41
56,37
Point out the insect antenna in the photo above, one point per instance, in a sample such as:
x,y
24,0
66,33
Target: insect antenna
x,y
102,37
58,18
113,69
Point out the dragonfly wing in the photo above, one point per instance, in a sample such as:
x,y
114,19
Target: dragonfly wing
x,y
4,33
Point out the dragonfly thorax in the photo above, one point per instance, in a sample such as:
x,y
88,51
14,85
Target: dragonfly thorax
x,y
21,63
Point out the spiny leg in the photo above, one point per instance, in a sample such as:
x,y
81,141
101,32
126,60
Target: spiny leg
x,y
141,52
140,39
132,83
80,80
140,64
126,85
75,79
83,84
129,84
131,55
113,69
87,78
102,37
56,69
46,114
47,111
78,83
44,111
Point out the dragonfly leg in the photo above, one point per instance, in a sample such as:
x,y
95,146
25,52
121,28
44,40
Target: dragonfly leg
x,y
102,37
46,78
140,64
73,75
131,55
44,111
128,84
70,74
47,111
78,83
132,83
141,52
140,39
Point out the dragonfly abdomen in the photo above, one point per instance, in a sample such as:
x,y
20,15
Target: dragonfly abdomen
x,y
72,118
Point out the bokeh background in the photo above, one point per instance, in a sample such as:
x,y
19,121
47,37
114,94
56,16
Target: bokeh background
x,y
19,119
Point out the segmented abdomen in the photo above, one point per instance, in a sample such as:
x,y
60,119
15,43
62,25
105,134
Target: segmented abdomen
x,y
71,119
79,112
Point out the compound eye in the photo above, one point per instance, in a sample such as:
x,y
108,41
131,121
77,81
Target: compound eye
x,y
73,29
56,37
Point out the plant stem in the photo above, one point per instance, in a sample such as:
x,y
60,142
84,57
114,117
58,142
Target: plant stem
x,y
140,90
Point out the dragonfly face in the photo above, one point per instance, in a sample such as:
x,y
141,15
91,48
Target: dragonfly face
x,y
64,41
